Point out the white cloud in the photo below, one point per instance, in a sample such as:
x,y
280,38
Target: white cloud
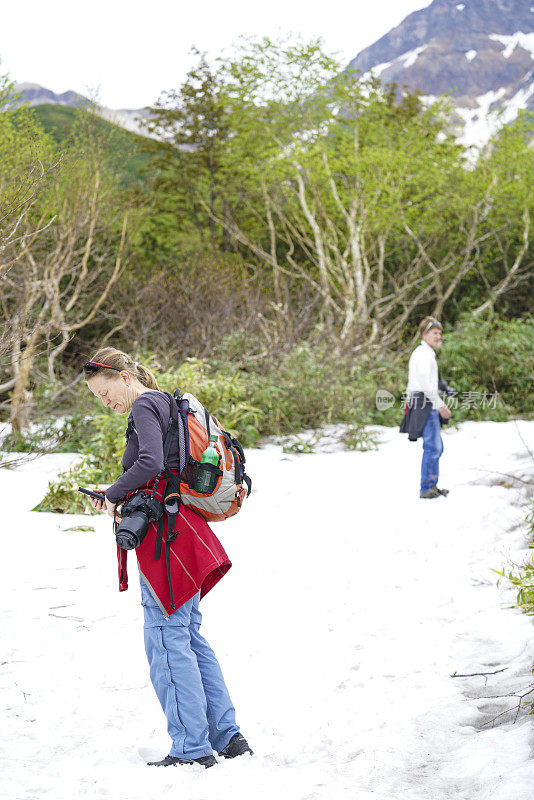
x,y
470,55
460,6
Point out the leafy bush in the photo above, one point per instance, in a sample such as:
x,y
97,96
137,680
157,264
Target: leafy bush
x,y
310,389
224,392
62,496
358,437
100,465
353,437
522,576
62,435
307,389
297,445
491,356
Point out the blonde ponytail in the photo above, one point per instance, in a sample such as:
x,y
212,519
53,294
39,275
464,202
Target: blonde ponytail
x,y
146,377
119,361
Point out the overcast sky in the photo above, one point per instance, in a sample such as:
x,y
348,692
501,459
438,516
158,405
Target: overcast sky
x,y
132,51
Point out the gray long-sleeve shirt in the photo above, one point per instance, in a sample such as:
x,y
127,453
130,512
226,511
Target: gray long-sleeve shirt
x,y
143,457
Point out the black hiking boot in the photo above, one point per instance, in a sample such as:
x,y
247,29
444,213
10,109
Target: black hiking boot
x,y
237,746
429,494
172,761
443,492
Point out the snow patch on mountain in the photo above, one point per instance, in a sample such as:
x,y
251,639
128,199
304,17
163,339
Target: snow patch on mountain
x,y
487,46
480,123
377,71
524,40
411,56
484,121
133,121
408,59
518,103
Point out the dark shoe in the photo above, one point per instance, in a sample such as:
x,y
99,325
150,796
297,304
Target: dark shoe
x,y
237,746
443,492
429,494
168,761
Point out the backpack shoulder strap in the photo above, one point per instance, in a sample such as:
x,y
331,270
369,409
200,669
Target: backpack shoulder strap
x,y
171,429
179,407
207,419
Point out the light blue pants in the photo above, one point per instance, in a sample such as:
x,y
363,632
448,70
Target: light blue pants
x,y
432,450
187,679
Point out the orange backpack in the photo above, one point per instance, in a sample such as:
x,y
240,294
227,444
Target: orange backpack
x,y
194,426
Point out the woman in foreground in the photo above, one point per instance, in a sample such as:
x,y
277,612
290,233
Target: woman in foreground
x,y
184,671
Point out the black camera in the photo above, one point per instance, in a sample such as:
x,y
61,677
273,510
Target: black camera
x,y
137,513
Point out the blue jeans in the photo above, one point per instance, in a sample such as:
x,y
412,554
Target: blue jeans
x,y
432,450
187,679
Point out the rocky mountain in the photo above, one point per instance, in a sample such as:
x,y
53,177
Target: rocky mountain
x,y
480,52
36,95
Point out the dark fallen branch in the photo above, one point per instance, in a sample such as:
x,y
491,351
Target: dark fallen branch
x,y
473,674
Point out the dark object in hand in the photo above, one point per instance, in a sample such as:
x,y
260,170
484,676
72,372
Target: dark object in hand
x,y
95,495
443,386
137,513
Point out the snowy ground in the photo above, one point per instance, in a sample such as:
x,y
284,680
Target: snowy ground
x,y
338,630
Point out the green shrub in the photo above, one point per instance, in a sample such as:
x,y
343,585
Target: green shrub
x,y
522,576
224,392
491,356
62,496
310,389
297,445
100,465
358,437
62,435
354,437
307,389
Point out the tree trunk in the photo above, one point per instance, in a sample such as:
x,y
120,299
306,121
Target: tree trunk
x,y
20,398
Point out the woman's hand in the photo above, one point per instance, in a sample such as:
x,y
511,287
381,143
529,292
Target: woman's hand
x,y
105,505
110,508
98,505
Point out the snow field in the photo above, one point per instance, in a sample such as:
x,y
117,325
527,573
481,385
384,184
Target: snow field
x,y
337,629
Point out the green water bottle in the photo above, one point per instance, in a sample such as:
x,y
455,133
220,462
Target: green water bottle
x,y
207,469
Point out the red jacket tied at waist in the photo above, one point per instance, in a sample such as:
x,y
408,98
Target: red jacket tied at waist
x,y
198,559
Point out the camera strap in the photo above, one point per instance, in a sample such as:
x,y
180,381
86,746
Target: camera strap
x,y
168,563
159,537
171,536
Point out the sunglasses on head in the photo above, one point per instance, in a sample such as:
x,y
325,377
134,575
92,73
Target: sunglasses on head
x,y
93,366
433,325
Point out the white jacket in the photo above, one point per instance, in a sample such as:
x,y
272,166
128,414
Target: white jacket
x,y
423,374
